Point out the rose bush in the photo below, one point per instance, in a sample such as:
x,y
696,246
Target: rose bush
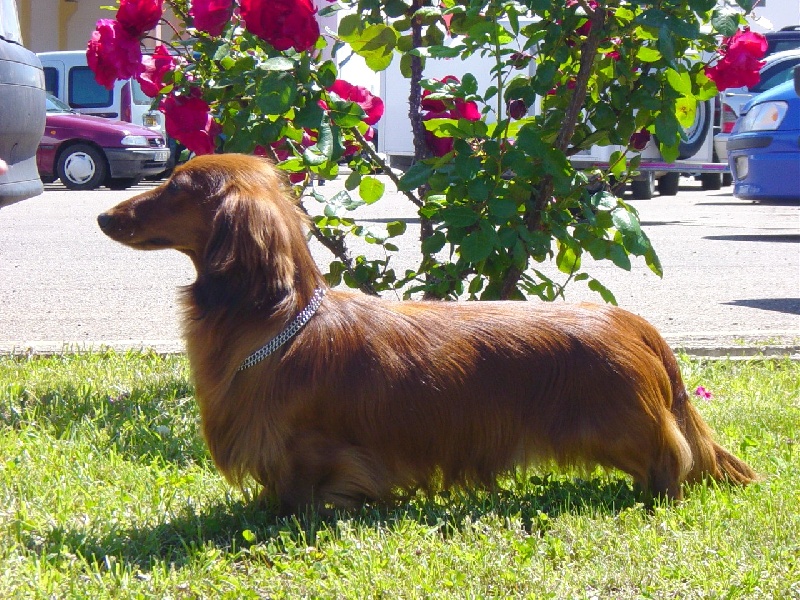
x,y
492,179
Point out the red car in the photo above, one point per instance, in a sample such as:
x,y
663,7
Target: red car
x,y
85,152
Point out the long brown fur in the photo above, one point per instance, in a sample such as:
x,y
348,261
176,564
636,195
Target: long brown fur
x,y
374,396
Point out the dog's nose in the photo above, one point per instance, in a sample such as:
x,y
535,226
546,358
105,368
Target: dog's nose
x,y
104,221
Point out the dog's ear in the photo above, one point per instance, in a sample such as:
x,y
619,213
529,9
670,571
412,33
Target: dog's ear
x,y
249,255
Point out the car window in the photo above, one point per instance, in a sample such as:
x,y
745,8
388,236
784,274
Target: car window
x,y
85,92
781,45
51,80
776,75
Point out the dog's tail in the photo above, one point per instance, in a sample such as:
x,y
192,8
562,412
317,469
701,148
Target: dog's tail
x,y
709,458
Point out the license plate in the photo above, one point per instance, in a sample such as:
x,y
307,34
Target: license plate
x,y
161,156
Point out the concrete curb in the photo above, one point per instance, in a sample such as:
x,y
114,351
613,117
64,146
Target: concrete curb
x,y
775,345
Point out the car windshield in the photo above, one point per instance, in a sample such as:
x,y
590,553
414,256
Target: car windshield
x,y
54,105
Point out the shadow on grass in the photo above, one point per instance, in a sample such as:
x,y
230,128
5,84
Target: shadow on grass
x,y
234,527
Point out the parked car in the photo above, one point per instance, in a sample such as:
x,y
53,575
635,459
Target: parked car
x,y
786,38
85,152
21,110
778,68
68,77
763,149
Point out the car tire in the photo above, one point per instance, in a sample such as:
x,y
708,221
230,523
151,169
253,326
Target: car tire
x,y
644,189
122,183
711,181
727,179
669,183
81,167
696,133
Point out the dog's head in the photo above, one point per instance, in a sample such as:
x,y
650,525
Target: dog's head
x,y
232,214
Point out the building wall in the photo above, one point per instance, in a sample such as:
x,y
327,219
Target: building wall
x,y
49,25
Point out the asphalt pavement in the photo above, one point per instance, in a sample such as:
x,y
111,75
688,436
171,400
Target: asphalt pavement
x,y
731,284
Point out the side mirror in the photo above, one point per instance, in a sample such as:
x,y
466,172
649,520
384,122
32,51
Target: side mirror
x,y
797,80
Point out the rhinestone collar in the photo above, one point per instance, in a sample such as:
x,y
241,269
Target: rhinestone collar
x,y
288,332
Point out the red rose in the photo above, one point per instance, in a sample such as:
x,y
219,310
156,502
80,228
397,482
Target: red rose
x,y
211,16
282,23
155,66
112,53
139,16
371,104
439,146
739,63
432,105
517,109
188,120
639,139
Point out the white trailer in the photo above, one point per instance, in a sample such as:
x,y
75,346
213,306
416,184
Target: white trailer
x,y
697,157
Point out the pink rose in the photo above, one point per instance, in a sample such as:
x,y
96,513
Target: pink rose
x,y
371,104
283,24
112,53
155,66
188,120
139,16
211,16
740,61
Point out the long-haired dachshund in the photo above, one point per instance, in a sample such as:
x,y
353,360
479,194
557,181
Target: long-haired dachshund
x,y
329,397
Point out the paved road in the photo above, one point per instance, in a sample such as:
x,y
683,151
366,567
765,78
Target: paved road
x,y
731,273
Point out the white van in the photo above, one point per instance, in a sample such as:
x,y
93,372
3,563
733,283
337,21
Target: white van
x,y
68,77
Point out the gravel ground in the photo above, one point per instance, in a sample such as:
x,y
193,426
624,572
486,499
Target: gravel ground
x,y
731,280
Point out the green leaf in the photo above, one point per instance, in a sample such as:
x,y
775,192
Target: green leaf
x,y
567,260
375,44
619,257
249,536
227,63
652,261
416,176
371,189
477,246
459,216
396,228
626,222
434,243
278,63
647,54
604,292
680,82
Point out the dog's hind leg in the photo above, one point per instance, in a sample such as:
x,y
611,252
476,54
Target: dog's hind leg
x,y
670,466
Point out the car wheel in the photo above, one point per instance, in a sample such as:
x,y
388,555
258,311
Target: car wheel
x,y
669,183
711,181
81,167
727,179
643,189
697,132
122,183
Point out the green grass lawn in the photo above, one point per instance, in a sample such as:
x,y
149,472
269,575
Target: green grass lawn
x,y
108,492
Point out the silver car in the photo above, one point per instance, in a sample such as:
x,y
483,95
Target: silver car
x,y
22,112
778,69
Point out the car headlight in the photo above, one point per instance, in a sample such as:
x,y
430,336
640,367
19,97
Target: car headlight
x,y
766,116
135,140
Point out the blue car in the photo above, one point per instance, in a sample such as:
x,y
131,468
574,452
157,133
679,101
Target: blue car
x,y
764,146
